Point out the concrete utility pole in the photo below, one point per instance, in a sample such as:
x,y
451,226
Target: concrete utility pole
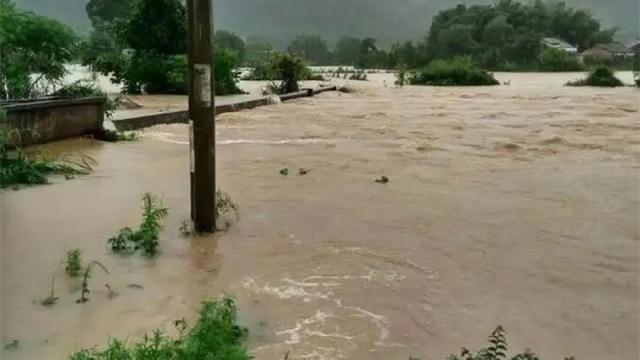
x,y
202,115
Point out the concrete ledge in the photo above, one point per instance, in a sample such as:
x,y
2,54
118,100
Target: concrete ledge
x,y
37,122
182,116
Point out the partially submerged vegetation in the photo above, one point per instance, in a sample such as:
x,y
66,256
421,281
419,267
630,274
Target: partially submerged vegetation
x,y
288,69
18,168
73,263
225,206
51,299
215,335
497,349
146,237
85,288
456,72
600,77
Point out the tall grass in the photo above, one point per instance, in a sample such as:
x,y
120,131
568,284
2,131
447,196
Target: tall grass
x,y
216,335
16,168
459,71
146,237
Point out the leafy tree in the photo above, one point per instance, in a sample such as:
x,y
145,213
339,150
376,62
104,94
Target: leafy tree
x,y
232,43
405,54
31,44
311,48
370,55
258,49
347,51
508,33
107,11
157,26
145,49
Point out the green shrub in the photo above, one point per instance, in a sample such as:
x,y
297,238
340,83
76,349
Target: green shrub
x,y
289,69
559,60
270,70
216,335
600,77
225,74
459,71
497,349
16,168
73,262
84,88
146,237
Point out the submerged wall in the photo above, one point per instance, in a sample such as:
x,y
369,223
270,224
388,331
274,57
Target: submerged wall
x,y
52,119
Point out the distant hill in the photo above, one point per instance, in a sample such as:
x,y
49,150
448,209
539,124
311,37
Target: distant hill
x,y
387,20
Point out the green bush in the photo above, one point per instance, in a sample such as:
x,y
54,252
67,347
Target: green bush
x,y
216,335
497,349
289,69
225,74
558,60
146,237
270,70
83,88
459,71
18,169
600,77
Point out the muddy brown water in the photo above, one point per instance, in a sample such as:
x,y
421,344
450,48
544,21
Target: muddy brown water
x,y
513,205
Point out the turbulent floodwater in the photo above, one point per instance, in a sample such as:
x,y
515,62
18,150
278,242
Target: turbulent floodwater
x,y
512,205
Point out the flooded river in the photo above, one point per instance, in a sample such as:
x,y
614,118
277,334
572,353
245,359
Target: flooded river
x,y
513,205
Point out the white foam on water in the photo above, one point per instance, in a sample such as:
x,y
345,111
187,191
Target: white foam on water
x,y
182,140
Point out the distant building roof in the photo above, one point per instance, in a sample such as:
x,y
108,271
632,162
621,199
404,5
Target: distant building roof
x,y
559,44
633,45
615,48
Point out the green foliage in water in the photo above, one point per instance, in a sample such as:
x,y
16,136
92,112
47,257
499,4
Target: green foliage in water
x,y
31,44
497,349
16,168
455,72
216,335
73,262
146,237
225,206
599,77
559,60
85,286
289,69
51,299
